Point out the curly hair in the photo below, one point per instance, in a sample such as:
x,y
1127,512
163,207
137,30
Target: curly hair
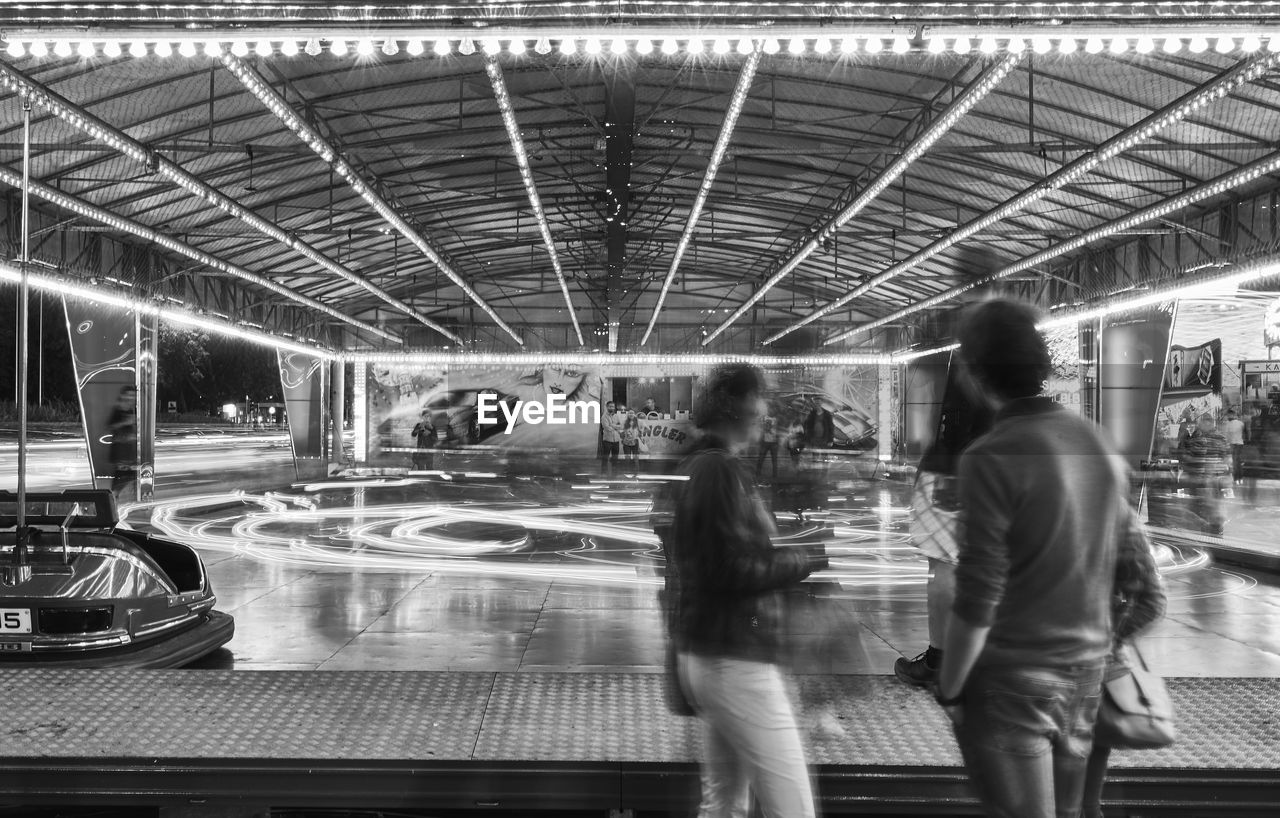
x,y
1001,343
726,388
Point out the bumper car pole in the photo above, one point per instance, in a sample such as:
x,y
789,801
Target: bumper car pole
x,y
21,570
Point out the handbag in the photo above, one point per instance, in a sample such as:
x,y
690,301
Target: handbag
x,y
1136,712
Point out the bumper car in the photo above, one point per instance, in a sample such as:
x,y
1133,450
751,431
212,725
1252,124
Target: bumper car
x,y
76,590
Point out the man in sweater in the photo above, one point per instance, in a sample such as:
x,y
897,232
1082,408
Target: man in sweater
x,y
1045,523
1206,464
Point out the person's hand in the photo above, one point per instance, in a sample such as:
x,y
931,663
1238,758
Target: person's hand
x,y
955,713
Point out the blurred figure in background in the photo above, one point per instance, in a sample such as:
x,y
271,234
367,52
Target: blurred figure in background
x,y
424,435
725,587
935,523
1206,464
610,439
123,424
1237,435
1045,517
631,443
768,444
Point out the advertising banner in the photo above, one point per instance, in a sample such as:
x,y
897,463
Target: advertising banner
x,y
1133,350
302,380
104,356
1194,370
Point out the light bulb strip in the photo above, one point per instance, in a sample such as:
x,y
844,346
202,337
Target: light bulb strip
x,y
977,90
598,359
1215,187
1158,121
508,113
117,222
123,143
740,93
312,138
1185,287
68,286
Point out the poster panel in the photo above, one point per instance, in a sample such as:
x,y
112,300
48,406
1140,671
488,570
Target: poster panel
x,y
1133,349
104,357
302,381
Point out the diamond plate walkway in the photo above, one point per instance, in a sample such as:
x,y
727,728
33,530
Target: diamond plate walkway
x,y
551,740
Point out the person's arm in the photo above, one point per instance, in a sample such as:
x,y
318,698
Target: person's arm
x,y
983,569
735,552
1137,579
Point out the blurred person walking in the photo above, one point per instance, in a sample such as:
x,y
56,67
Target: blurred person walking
x,y
611,439
1205,469
768,445
725,587
424,435
123,424
630,436
1237,435
1045,517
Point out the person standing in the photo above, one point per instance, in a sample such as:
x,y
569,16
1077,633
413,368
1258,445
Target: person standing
x,y
611,436
123,425
1205,466
424,435
1237,435
631,442
651,407
768,444
725,585
1045,510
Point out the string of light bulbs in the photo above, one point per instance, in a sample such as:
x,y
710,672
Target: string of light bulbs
x,y
1208,93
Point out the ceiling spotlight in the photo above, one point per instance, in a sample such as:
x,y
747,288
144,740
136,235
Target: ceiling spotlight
x,y
242,49
822,45
135,50
874,45
543,46
1250,44
900,45
772,46
669,47
746,45
696,45
466,47
1016,45
312,47
339,48
111,49
796,46
364,48
1068,46
644,46
937,45
1041,45
720,46
1273,42
988,45
1198,45
568,47
1172,45
618,46
84,49
163,49
1225,45
441,47
15,49
1119,45
1093,45
40,49
289,48
962,45
593,46
491,46
1145,45
390,48
62,48
187,49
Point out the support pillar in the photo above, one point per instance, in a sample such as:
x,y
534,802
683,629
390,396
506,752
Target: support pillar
x,y
886,431
337,410
148,339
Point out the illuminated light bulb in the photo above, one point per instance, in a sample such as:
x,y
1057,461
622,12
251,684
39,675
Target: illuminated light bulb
x,y
1145,45
1250,44
720,46
15,49
39,49
441,47
289,48
187,49
543,46
618,46
163,50
135,50
466,47
1016,45
1198,45
1093,45
337,48
491,46
568,47
1172,45
696,46
875,45
962,45
312,47
1041,45
1068,46
937,45
1225,45
772,46
822,45
900,45
1119,45
1273,42
593,46
84,50
745,46
364,48
644,47
62,48
390,48
796,46
241,49
988,45
111,49
669,47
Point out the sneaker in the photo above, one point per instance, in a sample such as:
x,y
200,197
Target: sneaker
x,y
918,671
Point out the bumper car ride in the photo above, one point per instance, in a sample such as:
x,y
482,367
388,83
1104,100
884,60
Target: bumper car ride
x,y
78,591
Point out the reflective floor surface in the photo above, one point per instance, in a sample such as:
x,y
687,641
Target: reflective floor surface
x,y
477,572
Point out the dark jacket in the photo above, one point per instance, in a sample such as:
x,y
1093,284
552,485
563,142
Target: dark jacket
x,y
724,577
